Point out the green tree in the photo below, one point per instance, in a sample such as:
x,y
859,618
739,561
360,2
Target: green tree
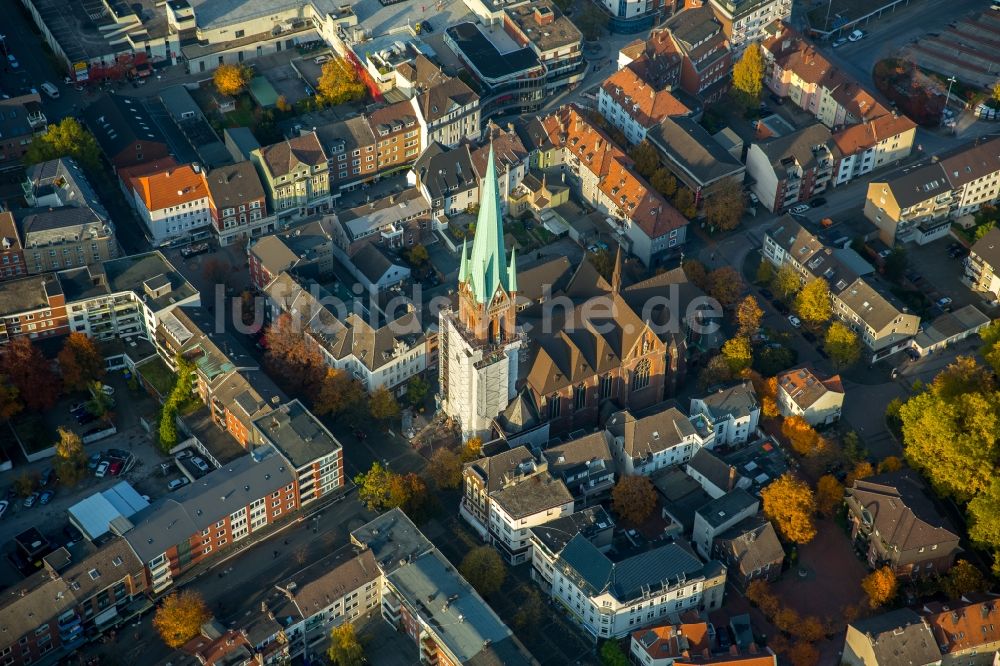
x,y
895,264
345,648
785,281
963,578
738,353
416,391
531,609
603,262
880,586
813,302
418,255
340,394
484,570
68,138
725,205
765,272
179,396
612,654
748,76
339,83
27,369
696,273
984,516
70,460
383,405
842,344
647,160
770,360
716,371
983,229
373,486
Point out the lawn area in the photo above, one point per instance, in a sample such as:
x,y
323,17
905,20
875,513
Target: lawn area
x,y
33,433
521,235
158,375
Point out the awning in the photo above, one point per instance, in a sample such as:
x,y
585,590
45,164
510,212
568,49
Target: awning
x,y
106,616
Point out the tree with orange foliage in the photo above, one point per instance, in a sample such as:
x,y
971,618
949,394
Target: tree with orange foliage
x,y
829,495
890,464
339,83
789,504
80,362
633,498
180,616
862,470
810,629
880,586
803,439
759,593
30,373
803,654
292,357
787,620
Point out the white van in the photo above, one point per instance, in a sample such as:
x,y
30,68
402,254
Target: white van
x,y
50,90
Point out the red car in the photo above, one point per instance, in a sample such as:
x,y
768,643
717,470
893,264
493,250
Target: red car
x,y
116,468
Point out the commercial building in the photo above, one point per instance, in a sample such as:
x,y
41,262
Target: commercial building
x,y
351,146
238,203
64,237
899,635
447,179
394,221
295,174
744,21
919,202
172,203
715,477
695,157
305,250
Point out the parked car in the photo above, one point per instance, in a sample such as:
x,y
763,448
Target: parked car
x,y
14,64
94,461
840,41
777,99
116,468
179,482
107,390
182,454
794,321
941,302
799,209
30,500
200,464
72,535
102,469
817,202
781,307
426,27
3,507
194,250
46,497
856,36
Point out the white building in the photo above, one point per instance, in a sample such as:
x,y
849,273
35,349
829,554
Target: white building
x,y
519,506
666,438
734,412
719,515
448,113
173,202
802,393
744,21
609,599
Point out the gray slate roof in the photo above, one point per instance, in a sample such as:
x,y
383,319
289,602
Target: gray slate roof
x,y
690,145
899,638
722,509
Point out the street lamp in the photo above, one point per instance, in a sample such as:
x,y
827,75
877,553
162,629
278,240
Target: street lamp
x,y
947,99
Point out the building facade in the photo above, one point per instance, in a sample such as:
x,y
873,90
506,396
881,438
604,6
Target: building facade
x,y
296,175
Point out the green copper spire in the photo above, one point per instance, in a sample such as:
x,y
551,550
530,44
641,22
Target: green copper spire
x,y
463,266
487,269
512,271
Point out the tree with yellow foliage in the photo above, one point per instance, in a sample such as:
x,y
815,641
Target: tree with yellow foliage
x,y
789,504
471,450
880,586
339,83
803,439
829,495
862,470
231,80
890,464
180,616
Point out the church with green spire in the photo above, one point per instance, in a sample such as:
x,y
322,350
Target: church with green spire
x,y
479,344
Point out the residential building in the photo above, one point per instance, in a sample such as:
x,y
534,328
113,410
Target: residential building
x,y
744,21
375,270
648,225
694,156
64,237
310,449
21,120
895,523
949,328
447,179
719,515
692,643
305,250
447,113
212,514
861,302
983,263
11,251
77,592
714,476
733,411
172,203
352,149
867,134
802,393
794,168
34,306
665,438
510,159
919,202
585,465
237,203
60,182
398,135
611,597
341,587
751,551
897,637
966,634
633,106
126,133
295,174
548,540
396,221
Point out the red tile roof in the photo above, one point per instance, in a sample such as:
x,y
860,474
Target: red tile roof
x,y
171,187
968,627
646,105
